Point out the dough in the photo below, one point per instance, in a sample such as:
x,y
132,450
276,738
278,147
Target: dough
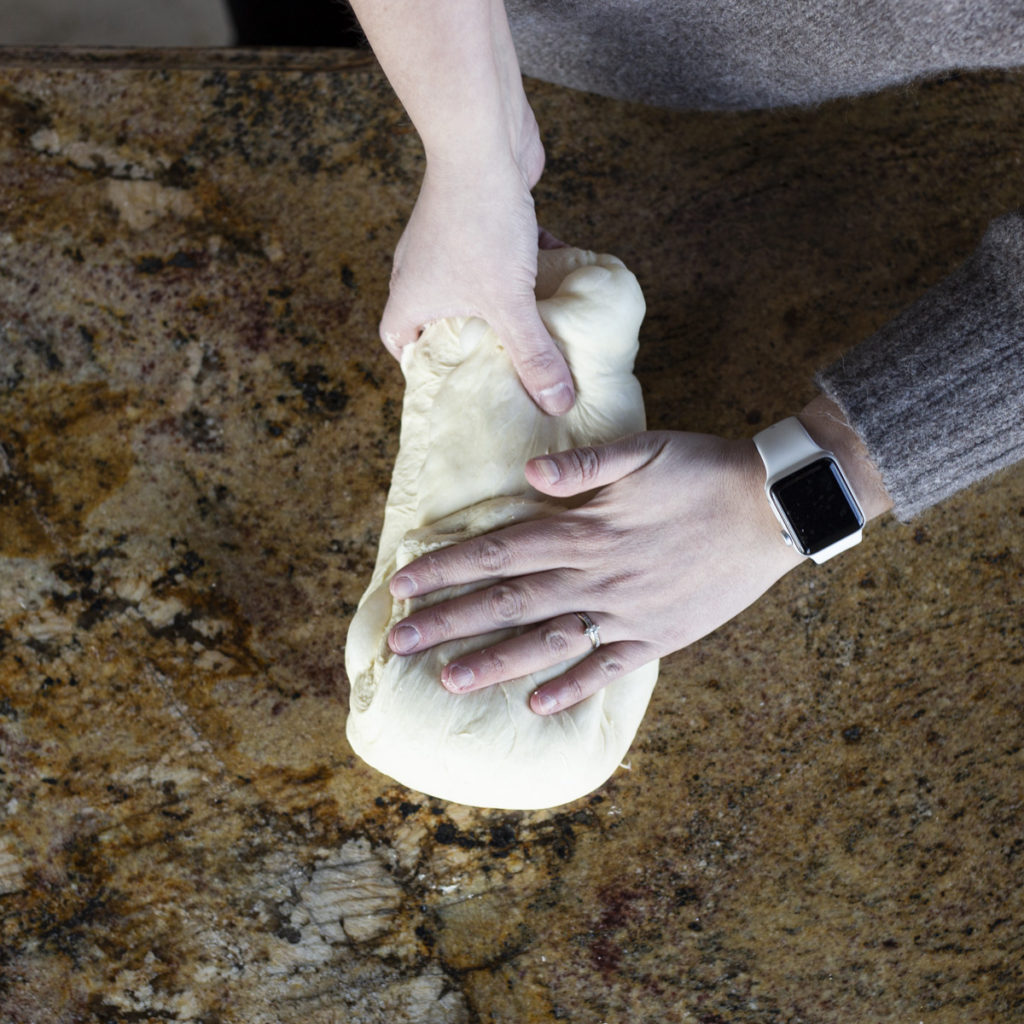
x,y
468,428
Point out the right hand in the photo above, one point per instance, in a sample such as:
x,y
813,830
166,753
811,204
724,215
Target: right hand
x,y
470,249
674,538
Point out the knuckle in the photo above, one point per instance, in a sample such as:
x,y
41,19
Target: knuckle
x,y
608,664
494,663
556,641
538,360
585,462
576,534
437,622
507,603
625,578
433,568
493,555
574,691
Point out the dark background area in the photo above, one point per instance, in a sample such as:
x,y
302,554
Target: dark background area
x,y
299,23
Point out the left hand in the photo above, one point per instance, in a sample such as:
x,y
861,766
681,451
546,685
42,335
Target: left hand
x,y
676,539
470,249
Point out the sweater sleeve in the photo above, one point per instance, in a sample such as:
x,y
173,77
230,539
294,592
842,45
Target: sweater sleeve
x,y
937,395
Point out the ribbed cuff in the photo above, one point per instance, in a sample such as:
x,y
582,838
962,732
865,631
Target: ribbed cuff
x,y
937,395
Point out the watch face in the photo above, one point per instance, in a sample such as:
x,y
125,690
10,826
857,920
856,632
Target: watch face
x,y
817,504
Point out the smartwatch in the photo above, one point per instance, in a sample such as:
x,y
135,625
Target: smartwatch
x,y
808,491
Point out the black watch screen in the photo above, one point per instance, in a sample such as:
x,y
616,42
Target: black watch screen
x,y
817,505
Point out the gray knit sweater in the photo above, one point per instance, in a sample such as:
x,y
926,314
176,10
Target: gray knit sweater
x,y
957,355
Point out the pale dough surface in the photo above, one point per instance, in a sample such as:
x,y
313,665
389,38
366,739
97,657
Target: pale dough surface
x,y
468,428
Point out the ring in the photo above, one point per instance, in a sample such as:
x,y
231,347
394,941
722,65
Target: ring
x,y
591,628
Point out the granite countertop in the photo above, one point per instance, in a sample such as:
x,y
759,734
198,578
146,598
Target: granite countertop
x,y
821,819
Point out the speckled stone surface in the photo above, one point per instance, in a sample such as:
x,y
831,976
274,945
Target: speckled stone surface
x,y
822,819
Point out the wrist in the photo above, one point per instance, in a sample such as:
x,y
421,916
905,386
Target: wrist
x,y
761,519
827,425
819,480
454,67
476,150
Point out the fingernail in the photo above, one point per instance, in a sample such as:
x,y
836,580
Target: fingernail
x,y
548,469
405,638
555,400
403,586
458,677
543,703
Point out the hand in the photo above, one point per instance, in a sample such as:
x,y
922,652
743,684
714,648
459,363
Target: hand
x,y
676,539
470,249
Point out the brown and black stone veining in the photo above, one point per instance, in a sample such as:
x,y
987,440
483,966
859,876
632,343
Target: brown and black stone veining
x,y
821,817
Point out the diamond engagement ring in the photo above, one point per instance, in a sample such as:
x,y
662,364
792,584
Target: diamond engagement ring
x,y
591,628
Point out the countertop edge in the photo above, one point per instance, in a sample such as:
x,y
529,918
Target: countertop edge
x,y
271,58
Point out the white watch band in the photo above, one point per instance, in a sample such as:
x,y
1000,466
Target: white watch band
x,y
784,446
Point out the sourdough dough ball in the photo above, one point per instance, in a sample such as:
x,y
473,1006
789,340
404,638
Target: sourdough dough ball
x,y
468,428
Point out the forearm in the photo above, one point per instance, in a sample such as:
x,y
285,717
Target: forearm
x,y
453,65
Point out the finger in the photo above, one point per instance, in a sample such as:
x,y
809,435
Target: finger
x,y
540,365
518,550
585,468
518,602
550,644
608,663
396,330
546,240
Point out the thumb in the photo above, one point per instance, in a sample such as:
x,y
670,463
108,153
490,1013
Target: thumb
x,y
396,329
562,474
541,367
